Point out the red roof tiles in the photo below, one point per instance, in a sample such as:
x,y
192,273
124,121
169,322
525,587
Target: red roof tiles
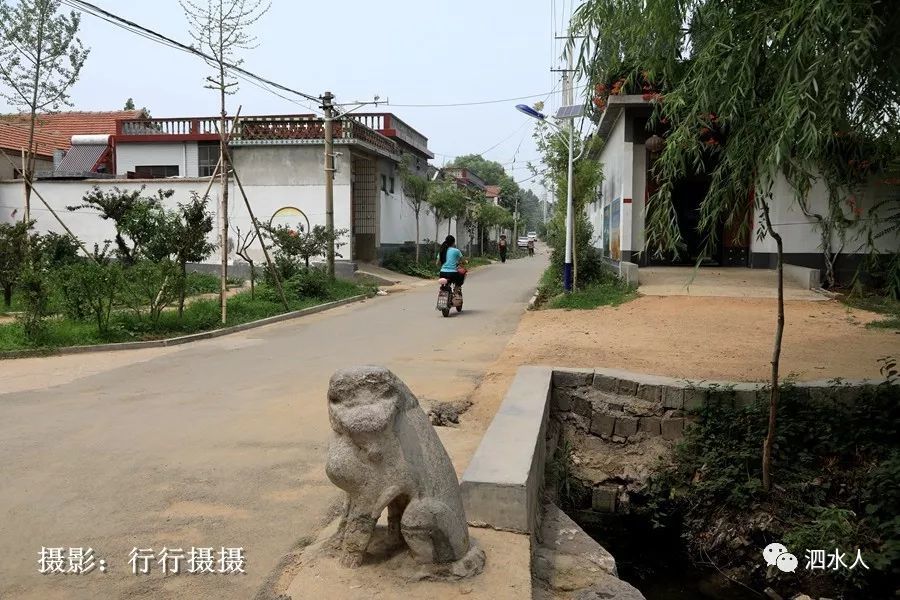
x,y
54,131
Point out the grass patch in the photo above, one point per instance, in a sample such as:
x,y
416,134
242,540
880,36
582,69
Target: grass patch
x,y
609,290
608,293
199,316
883,305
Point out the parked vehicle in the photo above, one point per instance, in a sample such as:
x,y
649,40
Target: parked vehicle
x,y
532,235
449,296
522,242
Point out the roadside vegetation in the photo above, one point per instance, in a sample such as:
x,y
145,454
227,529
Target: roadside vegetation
x,y
137,286
883,304
838,488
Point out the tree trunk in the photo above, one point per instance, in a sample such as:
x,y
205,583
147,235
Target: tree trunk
x,y
252,281
7,295
417,237
775,392
182,291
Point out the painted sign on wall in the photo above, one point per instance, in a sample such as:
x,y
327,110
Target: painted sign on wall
x,y
615,245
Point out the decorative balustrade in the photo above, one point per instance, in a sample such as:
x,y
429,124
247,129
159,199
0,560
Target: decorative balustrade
x,y
392,126
172,129
259,129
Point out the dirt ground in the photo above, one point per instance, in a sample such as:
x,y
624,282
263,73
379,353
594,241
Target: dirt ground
x,y
707,338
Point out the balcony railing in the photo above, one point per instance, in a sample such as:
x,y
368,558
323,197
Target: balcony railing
x,y
392,126
296,128
301,128
196,128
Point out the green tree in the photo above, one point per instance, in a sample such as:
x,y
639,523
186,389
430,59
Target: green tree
x,y
447,200
415,191
749,91
188,229
14,238
221,29
40,60
129,104
588,174
136,218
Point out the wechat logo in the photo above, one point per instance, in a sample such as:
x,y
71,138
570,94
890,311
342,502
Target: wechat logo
x,y
777,555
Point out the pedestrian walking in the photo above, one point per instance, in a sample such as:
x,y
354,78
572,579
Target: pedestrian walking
x,y
502,247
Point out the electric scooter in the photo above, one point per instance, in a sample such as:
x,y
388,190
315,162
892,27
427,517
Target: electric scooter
x,y
449,296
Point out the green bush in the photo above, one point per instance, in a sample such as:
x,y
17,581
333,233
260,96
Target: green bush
x,y
201,283
402,262
89,290
308,283
35,293
836,471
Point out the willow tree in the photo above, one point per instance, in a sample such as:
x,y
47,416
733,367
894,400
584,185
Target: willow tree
x,y
40,59
221,29
748,91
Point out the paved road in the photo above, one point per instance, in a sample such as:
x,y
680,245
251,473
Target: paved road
x,y
219,443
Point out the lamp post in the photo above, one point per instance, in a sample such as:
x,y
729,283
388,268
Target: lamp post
x,y
570,211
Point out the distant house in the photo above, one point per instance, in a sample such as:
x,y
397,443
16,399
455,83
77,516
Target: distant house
x,y
77,143
492,193
279,160
618,212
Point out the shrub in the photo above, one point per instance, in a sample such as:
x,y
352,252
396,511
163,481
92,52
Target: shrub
x,y
150,286
201,283
88,289
308,283
35,295
402,262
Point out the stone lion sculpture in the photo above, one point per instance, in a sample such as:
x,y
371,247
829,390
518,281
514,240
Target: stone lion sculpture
x,y
385,454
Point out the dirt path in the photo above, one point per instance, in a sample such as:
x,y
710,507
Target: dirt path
x,y
700,338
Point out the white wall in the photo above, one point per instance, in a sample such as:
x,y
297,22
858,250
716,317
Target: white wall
x,y
614,186
131,155
799,233
85,223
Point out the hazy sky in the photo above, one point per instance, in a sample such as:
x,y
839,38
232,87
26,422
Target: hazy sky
x,y
412,52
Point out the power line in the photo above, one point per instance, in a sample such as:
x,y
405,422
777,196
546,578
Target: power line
x,y
477,102
159,38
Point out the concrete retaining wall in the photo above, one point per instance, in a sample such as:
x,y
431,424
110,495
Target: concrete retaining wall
x,y
809,278
502,485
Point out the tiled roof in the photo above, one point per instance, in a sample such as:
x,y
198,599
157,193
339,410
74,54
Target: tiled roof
x,y
54,131
492,191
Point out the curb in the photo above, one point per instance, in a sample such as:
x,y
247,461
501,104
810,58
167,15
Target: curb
x,y
184,339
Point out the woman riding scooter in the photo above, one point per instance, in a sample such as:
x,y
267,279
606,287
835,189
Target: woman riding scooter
x,y
451,261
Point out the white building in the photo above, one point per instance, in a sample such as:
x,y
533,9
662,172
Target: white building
x,y
278,159
618,213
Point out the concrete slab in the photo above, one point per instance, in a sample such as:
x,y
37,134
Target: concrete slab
x,y
731,282
501,484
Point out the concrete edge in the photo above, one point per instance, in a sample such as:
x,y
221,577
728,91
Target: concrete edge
x,y
692,394
501,487
809,278
184,339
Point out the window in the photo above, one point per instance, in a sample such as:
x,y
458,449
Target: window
x,y
384,183
392,185
156,171
208,158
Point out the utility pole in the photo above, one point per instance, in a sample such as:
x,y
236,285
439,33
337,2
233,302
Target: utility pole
x,y
328,107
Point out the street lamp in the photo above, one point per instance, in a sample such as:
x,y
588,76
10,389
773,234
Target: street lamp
x,y
565,112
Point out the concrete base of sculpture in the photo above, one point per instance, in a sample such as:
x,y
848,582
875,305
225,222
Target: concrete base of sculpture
x,y
387,457
389,573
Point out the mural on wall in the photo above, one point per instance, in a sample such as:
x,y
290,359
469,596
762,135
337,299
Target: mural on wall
x,y
605,242
291,217
615,216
